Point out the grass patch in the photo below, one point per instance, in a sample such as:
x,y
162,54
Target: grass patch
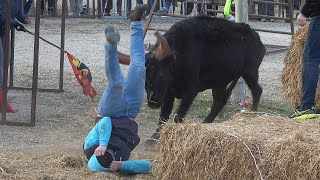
x,y
201,107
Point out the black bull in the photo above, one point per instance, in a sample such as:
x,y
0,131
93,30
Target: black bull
x,y
202,53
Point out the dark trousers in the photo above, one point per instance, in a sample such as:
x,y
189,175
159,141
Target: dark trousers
x,y
103,5
310,64
51,3
266,9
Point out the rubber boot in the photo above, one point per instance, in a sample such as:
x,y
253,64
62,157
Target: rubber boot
x,y
8,106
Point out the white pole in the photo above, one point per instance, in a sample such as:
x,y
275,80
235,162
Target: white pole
x,y
241,13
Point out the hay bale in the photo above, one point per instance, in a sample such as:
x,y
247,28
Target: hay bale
x,y
246,147
291,73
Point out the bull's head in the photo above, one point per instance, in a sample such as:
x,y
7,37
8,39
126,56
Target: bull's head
x,y
159,71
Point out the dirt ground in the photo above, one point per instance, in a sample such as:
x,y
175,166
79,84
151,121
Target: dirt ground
x,y
63,119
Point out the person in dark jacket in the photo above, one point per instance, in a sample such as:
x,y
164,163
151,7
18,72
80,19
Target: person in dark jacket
x,y
310,60
27,6
17,17
115,134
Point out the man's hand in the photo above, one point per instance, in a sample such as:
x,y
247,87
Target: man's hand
x,y
301,20
27,20
115,166
20,27
100,150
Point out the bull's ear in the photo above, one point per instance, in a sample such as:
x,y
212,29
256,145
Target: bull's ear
x,y
162,50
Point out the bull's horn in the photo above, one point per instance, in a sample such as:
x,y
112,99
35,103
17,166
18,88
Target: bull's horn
x,y
162,50
124,58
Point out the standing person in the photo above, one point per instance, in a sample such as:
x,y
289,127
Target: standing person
x,y
266,9
75,7
52,9
310,60
226,11
27,6
17,15
102,9
115,134
166,7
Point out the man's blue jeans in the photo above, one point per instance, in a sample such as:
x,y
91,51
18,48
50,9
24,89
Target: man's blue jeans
x,y
310,64
124,96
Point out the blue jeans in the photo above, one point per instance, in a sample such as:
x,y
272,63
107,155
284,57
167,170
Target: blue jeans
x,y
150,3
167,4
310,64
124,96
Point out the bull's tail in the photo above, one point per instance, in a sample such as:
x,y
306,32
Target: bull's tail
x,y
232,85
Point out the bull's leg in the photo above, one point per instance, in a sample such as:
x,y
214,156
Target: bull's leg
x,y
185,104
251,79
166,110
166,107
219,101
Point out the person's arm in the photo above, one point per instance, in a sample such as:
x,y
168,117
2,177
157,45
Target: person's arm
x,y
309,7
138,166
21,16
3,15
104,128
99,134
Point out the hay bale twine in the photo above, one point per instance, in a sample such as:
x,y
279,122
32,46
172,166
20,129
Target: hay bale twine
x,y
291,73
246,147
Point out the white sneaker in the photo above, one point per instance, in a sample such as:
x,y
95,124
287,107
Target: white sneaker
x,y
231,18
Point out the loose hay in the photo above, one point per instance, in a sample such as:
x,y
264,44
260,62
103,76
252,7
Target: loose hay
x,y
51,167
291,73
246,147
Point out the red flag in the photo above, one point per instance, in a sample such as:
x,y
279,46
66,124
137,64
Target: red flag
x,y
83,75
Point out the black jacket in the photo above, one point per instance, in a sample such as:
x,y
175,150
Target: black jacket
x,y
311,8
124,137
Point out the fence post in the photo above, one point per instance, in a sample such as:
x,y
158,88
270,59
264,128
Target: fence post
x,y
241,13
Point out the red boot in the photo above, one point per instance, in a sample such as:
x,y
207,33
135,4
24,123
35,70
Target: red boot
x,y
8,106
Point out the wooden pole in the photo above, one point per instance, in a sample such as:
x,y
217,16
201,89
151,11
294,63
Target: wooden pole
x,y
241,12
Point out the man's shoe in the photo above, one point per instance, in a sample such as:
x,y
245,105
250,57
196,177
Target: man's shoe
x,y
111,36
136,14
304,114
163,10
263,20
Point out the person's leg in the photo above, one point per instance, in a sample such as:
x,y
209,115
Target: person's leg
x,y
270,9
112,100
8,106
1,60
167,4
109,7
79,5
135,80
150,4
310,66
262,10
42,6
119,3
72,7
51,3
52,7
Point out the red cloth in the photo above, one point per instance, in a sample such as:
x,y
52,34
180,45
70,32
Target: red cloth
x,y
83,75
